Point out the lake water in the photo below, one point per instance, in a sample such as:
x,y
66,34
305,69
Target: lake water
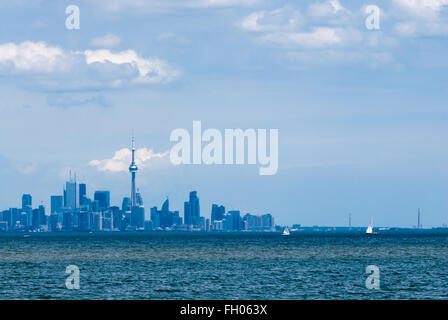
x,y
223,266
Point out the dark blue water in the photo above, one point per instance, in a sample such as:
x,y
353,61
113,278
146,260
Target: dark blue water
x,y
223,266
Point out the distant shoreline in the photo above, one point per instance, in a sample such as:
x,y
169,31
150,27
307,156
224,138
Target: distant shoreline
x,y
305,231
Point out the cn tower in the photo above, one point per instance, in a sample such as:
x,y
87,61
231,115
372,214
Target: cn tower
x,y
133,169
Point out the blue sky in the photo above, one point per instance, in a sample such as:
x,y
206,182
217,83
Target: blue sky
x,y
361,113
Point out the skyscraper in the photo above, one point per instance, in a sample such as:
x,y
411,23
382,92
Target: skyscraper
x,y
126,204
26,200
192,210
82,193
236,218
133,169
70,194
217,212
56,204
103,198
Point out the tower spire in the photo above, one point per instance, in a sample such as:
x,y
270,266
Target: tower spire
x,y
133,169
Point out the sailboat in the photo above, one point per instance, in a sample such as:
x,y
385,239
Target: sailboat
x,y
370,228
285,232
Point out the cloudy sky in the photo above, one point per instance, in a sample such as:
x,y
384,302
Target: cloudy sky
x,y
362,114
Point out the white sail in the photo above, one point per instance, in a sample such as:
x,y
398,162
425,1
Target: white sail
x,y
286,232
370,227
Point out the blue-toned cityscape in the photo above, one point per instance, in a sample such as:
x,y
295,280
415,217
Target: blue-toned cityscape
x,y
74,211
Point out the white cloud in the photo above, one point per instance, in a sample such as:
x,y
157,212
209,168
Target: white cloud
x,y
283,27
280,19
223,3
149,70
428,9
325,9
122,158
89,68
421,18
108,40
33,56
163,5
318,38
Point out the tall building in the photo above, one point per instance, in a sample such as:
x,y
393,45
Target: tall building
x,y
236,218
57,203
126,204
165,218
27,200
133,169
138,199
70,194
138,217
192,210
103,198
217,212
82,194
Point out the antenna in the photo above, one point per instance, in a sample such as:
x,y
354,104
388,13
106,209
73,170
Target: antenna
x,y
133,141
419,224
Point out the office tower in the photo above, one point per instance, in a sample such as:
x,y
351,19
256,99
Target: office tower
x,y
235,220
217,212
133,169
67,221
227,222
42,216
82,194
267,221
70,195
38,217
166,205
95,206
35,219
138,199
165,218
126,204
107,220
56,204
117,216
192,210
85,220
96,221
155,217
103,198
55,223
187,213
138,216
26,201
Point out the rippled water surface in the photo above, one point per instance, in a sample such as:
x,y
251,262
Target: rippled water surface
x,y
223,266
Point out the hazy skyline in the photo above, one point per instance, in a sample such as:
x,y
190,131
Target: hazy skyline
x,y
361,114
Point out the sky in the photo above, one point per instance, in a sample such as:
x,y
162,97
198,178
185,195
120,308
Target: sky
x,y
361,113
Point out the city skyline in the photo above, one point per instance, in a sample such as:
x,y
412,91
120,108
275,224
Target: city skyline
x,y
361,113
75,196
74,211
